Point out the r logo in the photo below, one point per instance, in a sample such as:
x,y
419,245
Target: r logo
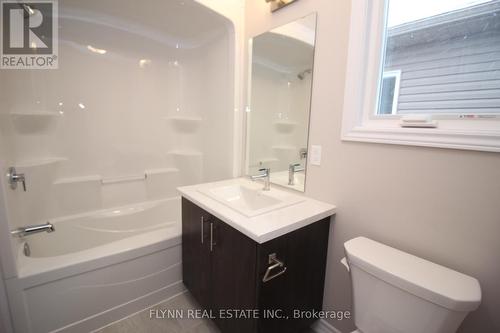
x,y
27,27
29,34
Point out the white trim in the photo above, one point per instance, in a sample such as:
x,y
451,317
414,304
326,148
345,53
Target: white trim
x,y
427,137
321,326
364,69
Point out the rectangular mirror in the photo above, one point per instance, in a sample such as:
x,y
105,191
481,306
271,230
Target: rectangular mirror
x,y
280,101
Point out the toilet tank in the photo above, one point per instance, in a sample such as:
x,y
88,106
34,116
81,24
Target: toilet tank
x,y
396,292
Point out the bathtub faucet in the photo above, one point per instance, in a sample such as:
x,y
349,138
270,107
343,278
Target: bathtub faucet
x,y
32,229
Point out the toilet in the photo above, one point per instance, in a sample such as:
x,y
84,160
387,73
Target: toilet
x,y
396,292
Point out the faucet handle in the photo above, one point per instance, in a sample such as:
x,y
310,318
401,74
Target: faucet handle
x,y
15,178
267,170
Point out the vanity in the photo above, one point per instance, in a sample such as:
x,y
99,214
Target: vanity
x,y
253,258
254,253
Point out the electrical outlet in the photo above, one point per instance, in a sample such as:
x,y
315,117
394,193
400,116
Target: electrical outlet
x,y
315,155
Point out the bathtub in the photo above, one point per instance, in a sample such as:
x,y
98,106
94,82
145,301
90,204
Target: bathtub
x,y
97,268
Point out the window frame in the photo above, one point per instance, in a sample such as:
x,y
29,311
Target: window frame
x,y
365,65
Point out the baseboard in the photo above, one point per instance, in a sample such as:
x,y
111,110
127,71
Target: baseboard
x,y
321,326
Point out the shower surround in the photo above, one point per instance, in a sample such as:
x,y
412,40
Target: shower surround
x,y
141,104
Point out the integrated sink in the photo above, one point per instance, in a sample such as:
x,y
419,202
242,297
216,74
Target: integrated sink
x,y
249,199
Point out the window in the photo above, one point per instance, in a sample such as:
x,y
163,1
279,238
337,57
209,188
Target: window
x,y
432,64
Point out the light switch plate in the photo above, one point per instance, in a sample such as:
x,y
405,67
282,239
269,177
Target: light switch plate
x,y
315,155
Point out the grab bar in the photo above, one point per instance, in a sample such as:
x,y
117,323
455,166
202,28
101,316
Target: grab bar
x,y
275,264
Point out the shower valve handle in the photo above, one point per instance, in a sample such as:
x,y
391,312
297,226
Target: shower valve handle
x,y
14,178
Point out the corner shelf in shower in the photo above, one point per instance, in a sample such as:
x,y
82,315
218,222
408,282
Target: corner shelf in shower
x,y
153,172
264,161
35,114
33,122
184,119
268,160
284,147
285,126
188,153
40,162
185,124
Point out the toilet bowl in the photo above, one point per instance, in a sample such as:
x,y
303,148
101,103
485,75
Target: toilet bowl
x,y
396,292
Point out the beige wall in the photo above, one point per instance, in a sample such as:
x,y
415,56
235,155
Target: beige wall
x,y
442,205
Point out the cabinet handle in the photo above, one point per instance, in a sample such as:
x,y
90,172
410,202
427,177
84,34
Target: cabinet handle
x,y
212,237
202,233
275,264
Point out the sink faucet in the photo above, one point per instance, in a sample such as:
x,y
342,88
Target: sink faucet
x,y
33,229
266,174
292,169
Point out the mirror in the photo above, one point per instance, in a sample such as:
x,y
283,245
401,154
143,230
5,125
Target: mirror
x,y
279,102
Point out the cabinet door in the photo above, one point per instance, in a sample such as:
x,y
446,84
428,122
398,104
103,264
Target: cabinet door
x,y
273,294
307,250
196,259
303,253
233,277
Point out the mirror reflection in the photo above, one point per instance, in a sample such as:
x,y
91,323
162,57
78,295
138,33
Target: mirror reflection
x,y
280,99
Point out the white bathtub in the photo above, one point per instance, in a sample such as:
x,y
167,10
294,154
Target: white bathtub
x,y
98,267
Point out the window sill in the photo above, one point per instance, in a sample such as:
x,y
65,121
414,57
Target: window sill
x,y
427,137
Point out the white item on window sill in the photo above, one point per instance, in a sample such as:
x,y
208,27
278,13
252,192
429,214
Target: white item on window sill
x,y
424,121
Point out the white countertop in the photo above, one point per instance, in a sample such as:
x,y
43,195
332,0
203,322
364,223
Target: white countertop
x,y
264,227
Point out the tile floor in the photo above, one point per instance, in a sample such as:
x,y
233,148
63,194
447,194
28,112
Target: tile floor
x,y
142,323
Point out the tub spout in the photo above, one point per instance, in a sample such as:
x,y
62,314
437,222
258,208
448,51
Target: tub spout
x,y
33,229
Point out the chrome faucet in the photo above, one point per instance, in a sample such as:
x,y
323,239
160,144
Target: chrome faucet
x,y
303,153
292,169
33,229
13,178
266,175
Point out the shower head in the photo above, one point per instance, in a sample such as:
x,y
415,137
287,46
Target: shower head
x,y
302,74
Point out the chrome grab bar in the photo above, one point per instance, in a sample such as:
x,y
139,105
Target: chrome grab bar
x,y
275,263
32,229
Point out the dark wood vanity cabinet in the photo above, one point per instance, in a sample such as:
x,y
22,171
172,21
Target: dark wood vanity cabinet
x,y
224,271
